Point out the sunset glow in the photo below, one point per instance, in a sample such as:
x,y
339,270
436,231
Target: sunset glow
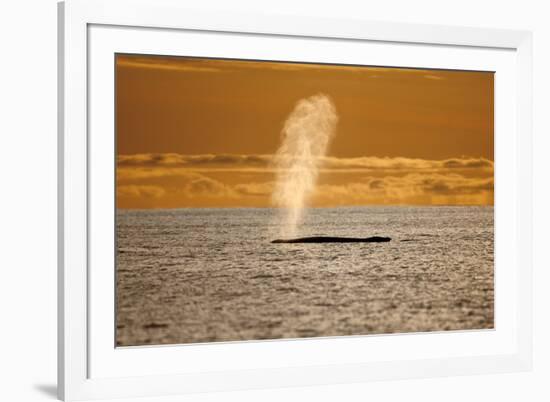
x,y
203,132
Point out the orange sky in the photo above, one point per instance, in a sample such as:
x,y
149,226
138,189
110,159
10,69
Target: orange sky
x,y
200,132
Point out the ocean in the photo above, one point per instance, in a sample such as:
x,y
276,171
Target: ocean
x,y
211,275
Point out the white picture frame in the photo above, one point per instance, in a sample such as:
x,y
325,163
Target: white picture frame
x,y
89,367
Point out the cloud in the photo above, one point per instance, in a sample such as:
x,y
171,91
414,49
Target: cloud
x,y
433,77
204,65
208,65
139,173
456,185
247,180
405,164
255,189
188,185
410,189
207,187
376,184
467,163
145,191
165,63
263,162
180,160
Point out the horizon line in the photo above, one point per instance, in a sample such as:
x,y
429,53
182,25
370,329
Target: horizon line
x,y
324,207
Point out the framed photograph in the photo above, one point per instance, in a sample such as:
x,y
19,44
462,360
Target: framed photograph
x,y
253,201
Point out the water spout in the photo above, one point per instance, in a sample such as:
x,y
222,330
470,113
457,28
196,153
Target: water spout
x,y
306,136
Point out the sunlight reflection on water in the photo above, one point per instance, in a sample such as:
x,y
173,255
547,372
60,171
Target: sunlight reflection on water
x,y
201,275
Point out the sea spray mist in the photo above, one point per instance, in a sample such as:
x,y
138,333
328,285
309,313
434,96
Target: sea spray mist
x,y
305,139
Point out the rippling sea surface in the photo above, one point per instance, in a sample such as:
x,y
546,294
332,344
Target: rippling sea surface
x,y
207,275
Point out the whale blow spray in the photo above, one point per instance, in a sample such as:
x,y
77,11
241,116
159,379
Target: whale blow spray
x,y
306,136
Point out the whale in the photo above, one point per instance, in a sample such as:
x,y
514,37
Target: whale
x,y
334,239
